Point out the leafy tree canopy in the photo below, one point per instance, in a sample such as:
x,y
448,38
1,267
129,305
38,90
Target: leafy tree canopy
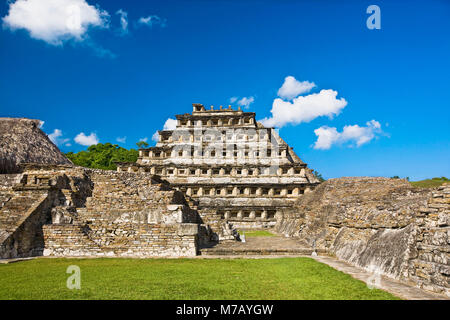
x,y
142,144
103,156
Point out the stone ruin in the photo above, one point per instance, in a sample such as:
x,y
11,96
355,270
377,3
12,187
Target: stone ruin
x,y
218,170
235,168
383,225
71,212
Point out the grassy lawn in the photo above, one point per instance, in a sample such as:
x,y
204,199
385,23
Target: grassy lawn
x,y
256,233
284,278
430,183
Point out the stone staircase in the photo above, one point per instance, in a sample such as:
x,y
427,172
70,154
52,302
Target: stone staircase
x,y
6,183
20,218
4,198
18,208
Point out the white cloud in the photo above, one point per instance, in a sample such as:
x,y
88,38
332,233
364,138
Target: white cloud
x,y
150,21
290,110
41,124
170,124
292,88
56,137
354,134
246,102
155,136
305,108
143,139
85,140
123,21
121,139
55,21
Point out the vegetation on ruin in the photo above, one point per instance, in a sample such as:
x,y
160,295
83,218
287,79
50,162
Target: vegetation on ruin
x,y
430,183
103,156
318,175
115,278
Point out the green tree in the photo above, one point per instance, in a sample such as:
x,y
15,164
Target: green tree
x,y
142,144
103,156
318,175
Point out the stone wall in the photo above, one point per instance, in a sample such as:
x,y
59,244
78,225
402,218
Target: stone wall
x,y
383,225
124,239
431,267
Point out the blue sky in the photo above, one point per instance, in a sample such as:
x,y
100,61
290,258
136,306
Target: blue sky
x,y
127,84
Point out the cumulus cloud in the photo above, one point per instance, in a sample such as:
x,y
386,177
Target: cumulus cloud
x,y
305,108
170,124
353,134
123,21
56,137
302,108
85,140
150,21
233,99
292,88
55,21
245,102
121,139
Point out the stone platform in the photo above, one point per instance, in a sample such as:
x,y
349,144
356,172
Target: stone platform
x,y
266,246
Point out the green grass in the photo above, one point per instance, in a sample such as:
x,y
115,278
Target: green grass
x,y
430,183
256,233
284,278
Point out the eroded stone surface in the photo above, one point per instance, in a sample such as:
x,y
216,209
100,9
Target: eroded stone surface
x,y
380,224
22,141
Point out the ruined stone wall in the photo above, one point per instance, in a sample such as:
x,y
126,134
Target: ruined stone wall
x,y
128,197
127,215
431,267
383,225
